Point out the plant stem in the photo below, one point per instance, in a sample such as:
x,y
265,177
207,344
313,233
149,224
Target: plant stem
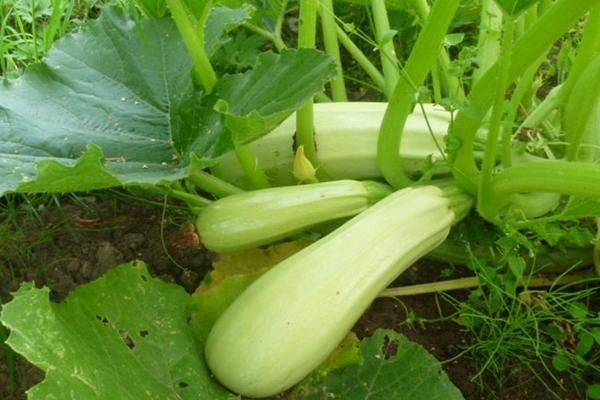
x,y
272,37
360,58
533,44
211,184
488,43
472,282
249,164
332,47
581,115
571,178
305,116
442,79
193,201
597,248
389,62
194,41
420,61
484,199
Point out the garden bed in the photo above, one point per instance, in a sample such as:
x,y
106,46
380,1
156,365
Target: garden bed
x,y
81,240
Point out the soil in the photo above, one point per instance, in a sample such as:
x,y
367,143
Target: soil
x,y
87,235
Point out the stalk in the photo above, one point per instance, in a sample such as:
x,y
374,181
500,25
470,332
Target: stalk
x,y
304,116
249,163
194,41
211,184
485,201
570,178
360,58
271,37
332,47
586,50
533,44
388,54
474,281
440,75
597,248
488,43
581,115
419,63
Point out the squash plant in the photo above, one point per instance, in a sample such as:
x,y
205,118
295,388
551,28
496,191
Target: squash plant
x,y
140,103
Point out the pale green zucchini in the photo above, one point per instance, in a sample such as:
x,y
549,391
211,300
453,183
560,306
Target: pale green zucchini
x,y
346,143
288,321
260,217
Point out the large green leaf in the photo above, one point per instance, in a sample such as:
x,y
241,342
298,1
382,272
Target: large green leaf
x,y
393,368
107,85
123,336
127,89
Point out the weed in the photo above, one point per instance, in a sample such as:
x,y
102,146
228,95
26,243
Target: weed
x,y
546,332
28,28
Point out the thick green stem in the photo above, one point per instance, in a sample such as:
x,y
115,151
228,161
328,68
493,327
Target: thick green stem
x,y
484,198
490,32
332,47
533,44
211,184
389,62
582,115
249,163
304,116
194,41
417,66
447,85
570,178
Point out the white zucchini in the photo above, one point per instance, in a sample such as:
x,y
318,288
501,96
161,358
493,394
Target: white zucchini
x,y
260,217
346,143
288,321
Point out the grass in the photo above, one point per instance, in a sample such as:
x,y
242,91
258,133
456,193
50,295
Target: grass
x,y
551,333
28,28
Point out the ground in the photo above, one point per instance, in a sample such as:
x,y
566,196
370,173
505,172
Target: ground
x,y
89,234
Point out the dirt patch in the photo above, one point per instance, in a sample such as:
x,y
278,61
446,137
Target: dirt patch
x,y
83,239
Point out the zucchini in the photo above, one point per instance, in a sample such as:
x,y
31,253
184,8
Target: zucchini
x,y
264,216
289,320
346,143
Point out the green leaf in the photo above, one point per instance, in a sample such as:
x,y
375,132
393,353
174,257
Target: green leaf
x,y
514,7
595,332
560,362
127,89
580,207
388,36
88,171
393,368
123,336
253,105
578,310
585,341
221,21
593,391
107,85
